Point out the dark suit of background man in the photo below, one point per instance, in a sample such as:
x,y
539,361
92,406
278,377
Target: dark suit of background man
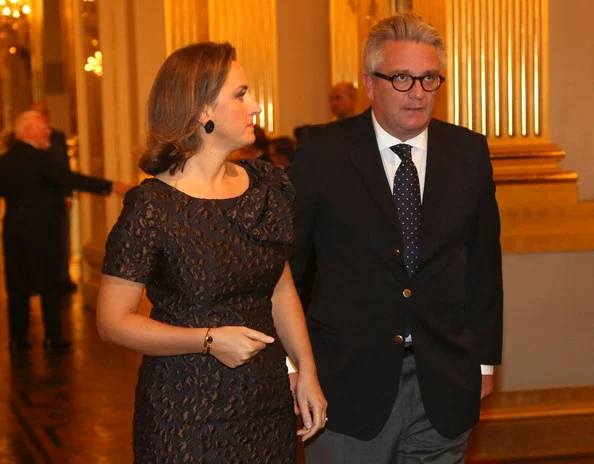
x,y
32,184
59,149
399,351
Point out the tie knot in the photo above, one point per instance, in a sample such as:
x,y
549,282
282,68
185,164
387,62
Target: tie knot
x,y
403,150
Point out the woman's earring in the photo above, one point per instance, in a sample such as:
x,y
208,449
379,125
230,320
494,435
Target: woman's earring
x,y
209,126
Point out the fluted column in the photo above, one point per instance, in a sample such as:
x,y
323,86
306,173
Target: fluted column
x,y
186,22
36,21
350,21
251,28
129,36
345,48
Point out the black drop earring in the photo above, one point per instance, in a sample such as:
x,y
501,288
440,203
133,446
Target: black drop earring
x,y
209,126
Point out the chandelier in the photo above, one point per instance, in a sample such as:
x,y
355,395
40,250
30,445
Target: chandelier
x,y
95,64
14,9
14,27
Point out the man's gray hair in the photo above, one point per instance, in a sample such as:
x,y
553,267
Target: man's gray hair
x,y
405,27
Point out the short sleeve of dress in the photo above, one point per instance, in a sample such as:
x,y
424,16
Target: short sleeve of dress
x,y
133,245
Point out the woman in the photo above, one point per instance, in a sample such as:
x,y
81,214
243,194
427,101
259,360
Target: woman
x,y
209,240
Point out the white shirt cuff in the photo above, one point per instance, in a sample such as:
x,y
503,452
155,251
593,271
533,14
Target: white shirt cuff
x,y
485,370
290,366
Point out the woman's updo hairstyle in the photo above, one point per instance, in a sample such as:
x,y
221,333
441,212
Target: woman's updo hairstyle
x,y
189,80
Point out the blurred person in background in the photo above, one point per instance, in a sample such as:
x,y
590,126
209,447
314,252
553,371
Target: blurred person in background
x,y
256,150
32,183
281,150
343,100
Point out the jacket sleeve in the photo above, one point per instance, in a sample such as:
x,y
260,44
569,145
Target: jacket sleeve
x,y
60,150
484,289
304,177
56,172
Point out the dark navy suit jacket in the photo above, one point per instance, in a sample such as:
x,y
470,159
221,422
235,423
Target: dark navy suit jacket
x,y
344,211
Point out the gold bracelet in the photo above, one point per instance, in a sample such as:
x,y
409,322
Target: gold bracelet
x,y
207,342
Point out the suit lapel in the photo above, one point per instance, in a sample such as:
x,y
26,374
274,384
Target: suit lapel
x,y
367,160
437,178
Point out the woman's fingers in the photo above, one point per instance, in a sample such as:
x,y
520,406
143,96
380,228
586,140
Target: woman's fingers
x,y
237,345
258,336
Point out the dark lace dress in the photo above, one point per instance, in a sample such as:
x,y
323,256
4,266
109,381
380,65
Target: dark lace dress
x,y
209,263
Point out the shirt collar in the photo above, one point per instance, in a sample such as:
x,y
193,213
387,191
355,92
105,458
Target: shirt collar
x,y
386,140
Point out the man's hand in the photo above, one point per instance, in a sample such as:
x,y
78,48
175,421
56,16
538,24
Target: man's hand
x,y
487,386
120,188
68,202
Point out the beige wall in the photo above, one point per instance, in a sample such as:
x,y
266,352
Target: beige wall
x,y
150,54
549,321
572,87
303,35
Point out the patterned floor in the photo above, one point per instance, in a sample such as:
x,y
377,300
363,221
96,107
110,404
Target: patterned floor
x,y
68,408
74,407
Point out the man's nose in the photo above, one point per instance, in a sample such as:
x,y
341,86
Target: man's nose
x,y
417,90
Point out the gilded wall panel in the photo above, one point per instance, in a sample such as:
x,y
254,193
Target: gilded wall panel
x,y
252,30
496,70
344,44
186,22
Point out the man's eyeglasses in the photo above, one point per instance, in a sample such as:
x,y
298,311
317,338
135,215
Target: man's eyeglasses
x,y
403,82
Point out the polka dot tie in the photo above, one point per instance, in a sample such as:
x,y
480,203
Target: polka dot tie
x,y
407,196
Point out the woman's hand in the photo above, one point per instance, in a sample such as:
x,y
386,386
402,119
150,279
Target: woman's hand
x,y
237,345
312,404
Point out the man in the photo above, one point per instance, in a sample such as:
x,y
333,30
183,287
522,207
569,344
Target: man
x,y
343,100
406,307
32,184
59,150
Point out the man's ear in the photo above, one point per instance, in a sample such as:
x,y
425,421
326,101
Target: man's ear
x,y
368,82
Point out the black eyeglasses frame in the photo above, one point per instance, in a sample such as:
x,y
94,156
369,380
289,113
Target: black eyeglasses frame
x,y
414,79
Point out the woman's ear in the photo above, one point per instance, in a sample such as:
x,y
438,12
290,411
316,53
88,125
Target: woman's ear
x,y
204,118
204,114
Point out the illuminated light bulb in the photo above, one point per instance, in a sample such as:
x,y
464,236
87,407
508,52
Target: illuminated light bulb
x,y
13,1
6,11
12,50
98,55
16,14
88,67
26,9
94,42
2,2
